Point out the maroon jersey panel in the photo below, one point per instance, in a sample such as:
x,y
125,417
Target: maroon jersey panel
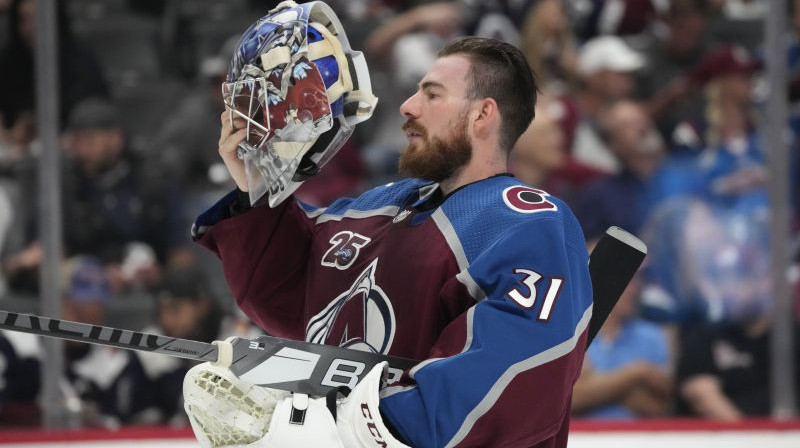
x,y
546,384
365,283
266,288
375,284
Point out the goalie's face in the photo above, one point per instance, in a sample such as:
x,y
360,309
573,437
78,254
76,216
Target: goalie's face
x,y
437,125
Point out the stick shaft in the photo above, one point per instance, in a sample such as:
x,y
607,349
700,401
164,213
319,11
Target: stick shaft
x,y
114,337
613,264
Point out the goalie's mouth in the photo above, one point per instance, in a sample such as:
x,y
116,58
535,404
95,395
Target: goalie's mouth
x,y
413,130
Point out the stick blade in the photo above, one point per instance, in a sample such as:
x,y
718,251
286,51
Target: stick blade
x,y
612,265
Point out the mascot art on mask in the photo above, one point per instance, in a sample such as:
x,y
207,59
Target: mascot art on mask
x,y
301,90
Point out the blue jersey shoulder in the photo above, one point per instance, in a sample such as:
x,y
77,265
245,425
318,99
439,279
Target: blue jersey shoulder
x,y
390,196
483,212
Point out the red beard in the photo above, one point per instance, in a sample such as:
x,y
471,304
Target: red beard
x,y
435,159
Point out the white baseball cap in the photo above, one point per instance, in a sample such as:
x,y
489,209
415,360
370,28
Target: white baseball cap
x,y
608,53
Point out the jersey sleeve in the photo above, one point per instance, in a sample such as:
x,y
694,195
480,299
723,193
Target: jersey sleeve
x,y
501,374
263,252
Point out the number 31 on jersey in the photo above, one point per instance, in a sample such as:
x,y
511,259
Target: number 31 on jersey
x,y
526,297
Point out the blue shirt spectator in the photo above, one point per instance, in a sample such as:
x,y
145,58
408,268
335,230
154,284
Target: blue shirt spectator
x,y
621,199
627,370
637,340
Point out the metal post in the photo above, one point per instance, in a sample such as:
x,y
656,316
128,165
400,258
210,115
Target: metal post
x,y
782,381
47,124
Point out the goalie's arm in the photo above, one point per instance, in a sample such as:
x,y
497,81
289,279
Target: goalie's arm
x,y
521,349
263,252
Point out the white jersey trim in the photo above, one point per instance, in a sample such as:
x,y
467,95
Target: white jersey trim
x,y
389,391
472,286
449,233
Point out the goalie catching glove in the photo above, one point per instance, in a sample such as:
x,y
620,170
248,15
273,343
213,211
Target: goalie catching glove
x,y
226,411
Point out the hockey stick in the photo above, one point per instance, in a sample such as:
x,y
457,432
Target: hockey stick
x,y
267,361
612,265
314,368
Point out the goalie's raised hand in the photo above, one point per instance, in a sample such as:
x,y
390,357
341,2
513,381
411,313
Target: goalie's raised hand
x,y
232,133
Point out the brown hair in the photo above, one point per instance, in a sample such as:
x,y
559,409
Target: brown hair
x,y
499,71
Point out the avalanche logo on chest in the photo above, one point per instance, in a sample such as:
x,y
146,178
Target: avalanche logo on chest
x,y
527,200
361,318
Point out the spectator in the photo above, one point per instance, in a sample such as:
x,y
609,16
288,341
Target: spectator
x,y
185,309
614,17
80,74
727,75
181,145
441,18
621,199
743,9
549,46
721,139
607,66
16,160
540,157
130,387
697,192
128,215
93,371
724,369
627,370
662,84
495,19
540,150
20,372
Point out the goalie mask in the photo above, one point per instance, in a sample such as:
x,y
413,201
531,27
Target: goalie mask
x,y
301,90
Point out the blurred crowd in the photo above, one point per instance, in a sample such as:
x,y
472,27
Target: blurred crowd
x,y
650,118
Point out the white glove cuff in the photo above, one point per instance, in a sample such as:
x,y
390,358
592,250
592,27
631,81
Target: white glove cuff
x,y
358,416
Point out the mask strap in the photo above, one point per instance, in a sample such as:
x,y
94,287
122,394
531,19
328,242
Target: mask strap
x,y
358,89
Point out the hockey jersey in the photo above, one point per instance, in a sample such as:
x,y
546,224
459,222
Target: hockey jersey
x,y
488,286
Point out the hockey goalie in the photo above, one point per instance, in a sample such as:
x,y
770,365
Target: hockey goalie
x,y
483,278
